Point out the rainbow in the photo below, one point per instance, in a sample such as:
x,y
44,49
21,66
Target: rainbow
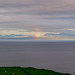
x,y
36,36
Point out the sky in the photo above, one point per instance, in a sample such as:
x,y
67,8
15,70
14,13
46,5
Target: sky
x,y
37,19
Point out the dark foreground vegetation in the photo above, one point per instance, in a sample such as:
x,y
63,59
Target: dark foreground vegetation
x,y
27,71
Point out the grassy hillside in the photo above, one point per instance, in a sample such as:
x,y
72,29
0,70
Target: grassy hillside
x,y
27,71
11,71
33,71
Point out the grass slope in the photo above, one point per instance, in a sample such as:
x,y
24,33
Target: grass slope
x,y
11,71
33,71
27,71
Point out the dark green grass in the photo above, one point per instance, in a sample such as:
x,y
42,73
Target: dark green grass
x,y
33,71
11,71
27,71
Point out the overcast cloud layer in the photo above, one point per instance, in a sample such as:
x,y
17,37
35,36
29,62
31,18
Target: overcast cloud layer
x,y
38,16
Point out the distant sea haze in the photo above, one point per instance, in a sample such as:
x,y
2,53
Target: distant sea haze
x,y
57,56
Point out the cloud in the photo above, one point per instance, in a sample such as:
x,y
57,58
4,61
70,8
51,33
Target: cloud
x,y
37,16
71,29
24,34
39,7
61,34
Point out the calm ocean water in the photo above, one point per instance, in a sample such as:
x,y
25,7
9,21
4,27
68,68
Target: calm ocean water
x,y
57,56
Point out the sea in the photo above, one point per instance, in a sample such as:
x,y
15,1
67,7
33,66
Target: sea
x,y
58,56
